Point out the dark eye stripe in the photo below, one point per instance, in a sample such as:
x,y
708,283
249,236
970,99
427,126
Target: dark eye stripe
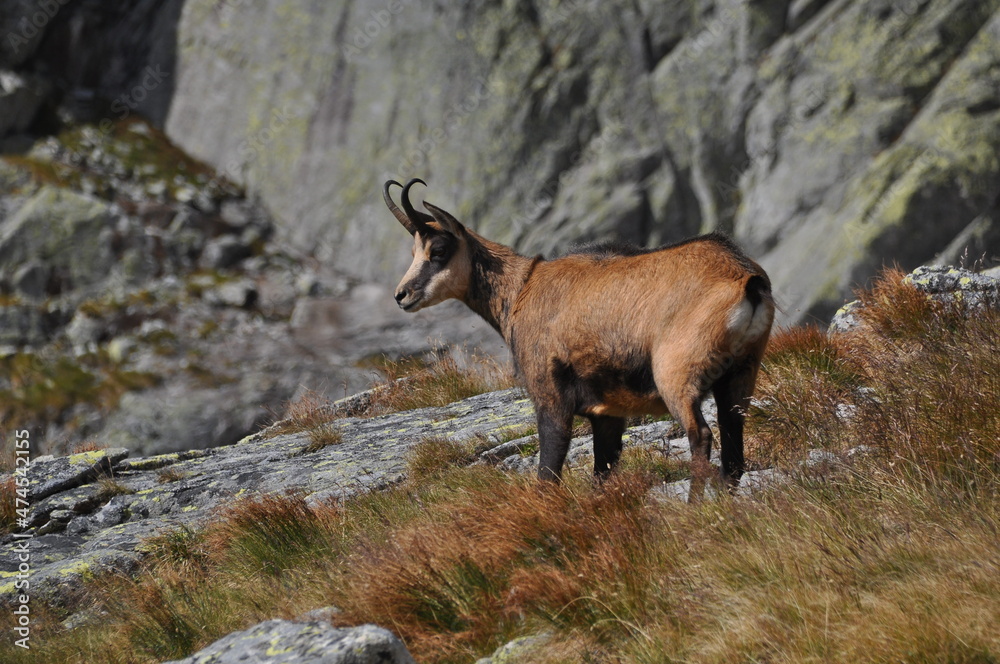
x,y
442,249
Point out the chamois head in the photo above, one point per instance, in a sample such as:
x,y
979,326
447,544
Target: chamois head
x,y
441,265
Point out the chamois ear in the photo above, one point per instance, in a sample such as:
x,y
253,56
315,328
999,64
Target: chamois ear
x,y
448,222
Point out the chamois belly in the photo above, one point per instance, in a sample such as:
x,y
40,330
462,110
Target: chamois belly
x,y
615,388
622,402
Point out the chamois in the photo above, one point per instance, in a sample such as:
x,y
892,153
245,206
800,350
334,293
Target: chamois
x,y
609,332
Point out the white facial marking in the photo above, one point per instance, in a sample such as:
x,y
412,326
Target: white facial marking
x,y
449,281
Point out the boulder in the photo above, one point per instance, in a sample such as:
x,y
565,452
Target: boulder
x,y
942,283
285,642
518,650
65,230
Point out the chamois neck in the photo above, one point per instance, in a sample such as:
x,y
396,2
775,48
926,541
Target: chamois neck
x,y
498,275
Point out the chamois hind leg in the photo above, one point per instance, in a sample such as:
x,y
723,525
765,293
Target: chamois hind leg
x,y
700,440
554,431
732,396
607,443
683,399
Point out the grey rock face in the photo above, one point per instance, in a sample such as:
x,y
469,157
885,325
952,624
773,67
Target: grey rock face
x,y
949,283
284,642
757,118
22,22
25,325
62,473
829,137
20,98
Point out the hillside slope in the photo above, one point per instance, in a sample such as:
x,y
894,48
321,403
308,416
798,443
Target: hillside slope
x,y
865,532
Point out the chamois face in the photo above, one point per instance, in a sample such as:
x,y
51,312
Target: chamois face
x,y
439,271
441,267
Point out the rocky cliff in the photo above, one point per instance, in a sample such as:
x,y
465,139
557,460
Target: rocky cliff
x,y
829,137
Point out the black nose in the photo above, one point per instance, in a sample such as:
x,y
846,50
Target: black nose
x,y
401,295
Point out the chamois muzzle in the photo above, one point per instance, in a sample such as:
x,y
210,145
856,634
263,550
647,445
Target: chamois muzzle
x,y
408,299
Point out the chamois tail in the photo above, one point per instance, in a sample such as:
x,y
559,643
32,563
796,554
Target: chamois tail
x,y
752,316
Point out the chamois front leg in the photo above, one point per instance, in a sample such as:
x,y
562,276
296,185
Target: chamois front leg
x,y
554,431
607,443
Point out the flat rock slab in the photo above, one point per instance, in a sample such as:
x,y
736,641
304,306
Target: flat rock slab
x,y
284,642
79,529
55,474
91,512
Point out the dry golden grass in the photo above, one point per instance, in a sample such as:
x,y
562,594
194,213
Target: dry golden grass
x,y
437,384
313,414
803,380
407,385
934,375
864,568
435,455
892,557
89,445
168,475
8,504
108,488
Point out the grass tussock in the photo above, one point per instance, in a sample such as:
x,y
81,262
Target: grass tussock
x,y
804,382
654,463
437,384
8,504
434,455
918,383
108,488
933,371
893,557
169,475
313,414
89,445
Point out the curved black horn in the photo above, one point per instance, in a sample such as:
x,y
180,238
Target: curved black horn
x,y
419,218
396,212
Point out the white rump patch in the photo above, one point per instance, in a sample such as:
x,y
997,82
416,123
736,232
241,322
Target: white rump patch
x,y
748,323
741,316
